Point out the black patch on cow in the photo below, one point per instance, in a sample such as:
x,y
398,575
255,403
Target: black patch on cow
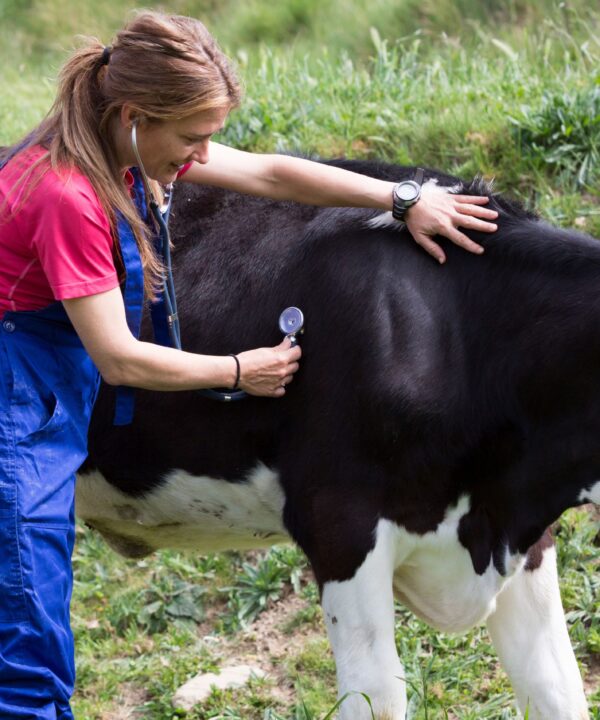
x,y
535,554
126,546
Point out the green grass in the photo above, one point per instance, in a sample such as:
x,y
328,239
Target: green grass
x,y
130,657
518,105
301,26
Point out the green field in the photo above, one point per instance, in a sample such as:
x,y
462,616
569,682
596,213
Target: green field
x,y
509,90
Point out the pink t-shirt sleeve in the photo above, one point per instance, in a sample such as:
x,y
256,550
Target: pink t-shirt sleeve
x,y
74,243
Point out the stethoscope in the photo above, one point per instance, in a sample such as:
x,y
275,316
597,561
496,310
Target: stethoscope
x,y
291,320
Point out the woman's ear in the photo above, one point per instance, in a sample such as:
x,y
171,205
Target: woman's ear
x,y
128,116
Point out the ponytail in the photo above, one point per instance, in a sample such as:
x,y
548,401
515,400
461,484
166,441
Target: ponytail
x,y
165,67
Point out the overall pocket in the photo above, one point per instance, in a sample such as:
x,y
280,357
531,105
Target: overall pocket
x,y
34,405
12,596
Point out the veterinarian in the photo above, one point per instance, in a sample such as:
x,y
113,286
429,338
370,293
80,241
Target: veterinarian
x,y
77,259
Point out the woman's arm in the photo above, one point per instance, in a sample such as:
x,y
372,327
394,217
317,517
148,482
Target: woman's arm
x,y
282,177
101,324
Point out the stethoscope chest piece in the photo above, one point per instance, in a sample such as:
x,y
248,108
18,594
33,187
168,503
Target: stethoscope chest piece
x,y
291,323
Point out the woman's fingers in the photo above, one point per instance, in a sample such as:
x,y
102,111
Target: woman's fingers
x,y
476,211
285,344
430,246
293,351
457,237
266,371
472,199
473,223
460,239
441,213
293,367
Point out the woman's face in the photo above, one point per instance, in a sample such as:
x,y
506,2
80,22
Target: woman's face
x,y
166,146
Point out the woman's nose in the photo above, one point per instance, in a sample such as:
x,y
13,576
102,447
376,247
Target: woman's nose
x,y
200,154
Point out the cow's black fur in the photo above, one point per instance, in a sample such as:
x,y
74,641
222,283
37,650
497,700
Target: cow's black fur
x,y
418,383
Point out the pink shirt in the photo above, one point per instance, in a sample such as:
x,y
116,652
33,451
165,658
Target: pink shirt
x,y
58,244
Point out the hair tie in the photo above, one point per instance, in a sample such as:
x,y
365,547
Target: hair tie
x,y
106,55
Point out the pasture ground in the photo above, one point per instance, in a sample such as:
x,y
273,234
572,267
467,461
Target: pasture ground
x,y
143,628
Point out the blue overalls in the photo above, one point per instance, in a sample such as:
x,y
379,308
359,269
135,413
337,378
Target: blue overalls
x,y
48,385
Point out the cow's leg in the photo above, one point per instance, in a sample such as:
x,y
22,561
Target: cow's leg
x,y
359,614
529,631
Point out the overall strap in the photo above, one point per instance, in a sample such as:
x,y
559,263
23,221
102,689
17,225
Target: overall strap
x,y
158,307
133,292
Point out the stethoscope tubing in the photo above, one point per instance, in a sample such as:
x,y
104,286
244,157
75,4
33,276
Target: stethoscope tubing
x,y
169,295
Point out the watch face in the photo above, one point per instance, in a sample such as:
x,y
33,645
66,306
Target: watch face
x,y
407,191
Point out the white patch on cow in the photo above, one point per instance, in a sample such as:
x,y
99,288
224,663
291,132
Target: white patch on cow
x,y
591,494
387,220
530,634
359,615
435,577
456,188
186,511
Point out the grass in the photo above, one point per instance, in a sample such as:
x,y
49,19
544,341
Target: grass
x,y
144,627
563,132
301,26
509,90
520,106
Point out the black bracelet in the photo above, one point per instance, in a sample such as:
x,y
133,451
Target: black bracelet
x,y
236,384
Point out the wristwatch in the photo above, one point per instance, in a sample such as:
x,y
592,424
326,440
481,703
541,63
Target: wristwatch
x,y
405,194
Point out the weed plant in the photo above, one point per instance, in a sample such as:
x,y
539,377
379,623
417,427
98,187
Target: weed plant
x,y
261,583
563,132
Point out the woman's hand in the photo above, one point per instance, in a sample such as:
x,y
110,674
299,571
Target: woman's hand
x,y
442,213
267,371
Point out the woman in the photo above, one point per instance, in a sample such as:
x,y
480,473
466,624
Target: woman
x,y
76,253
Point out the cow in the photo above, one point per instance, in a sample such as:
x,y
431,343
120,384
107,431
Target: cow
x,y
442,419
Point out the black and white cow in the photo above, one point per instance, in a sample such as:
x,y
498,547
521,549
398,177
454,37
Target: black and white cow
x,y
442,419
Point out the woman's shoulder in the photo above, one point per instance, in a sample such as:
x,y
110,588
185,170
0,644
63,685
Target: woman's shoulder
x,y
32,172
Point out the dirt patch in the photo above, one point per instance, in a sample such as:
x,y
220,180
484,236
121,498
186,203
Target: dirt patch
x,y
266,643
591,682
130,698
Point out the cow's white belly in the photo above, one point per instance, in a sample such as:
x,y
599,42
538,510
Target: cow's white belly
x,y
186,512
434,576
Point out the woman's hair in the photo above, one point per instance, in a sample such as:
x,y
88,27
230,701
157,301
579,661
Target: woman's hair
x,y
165,67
